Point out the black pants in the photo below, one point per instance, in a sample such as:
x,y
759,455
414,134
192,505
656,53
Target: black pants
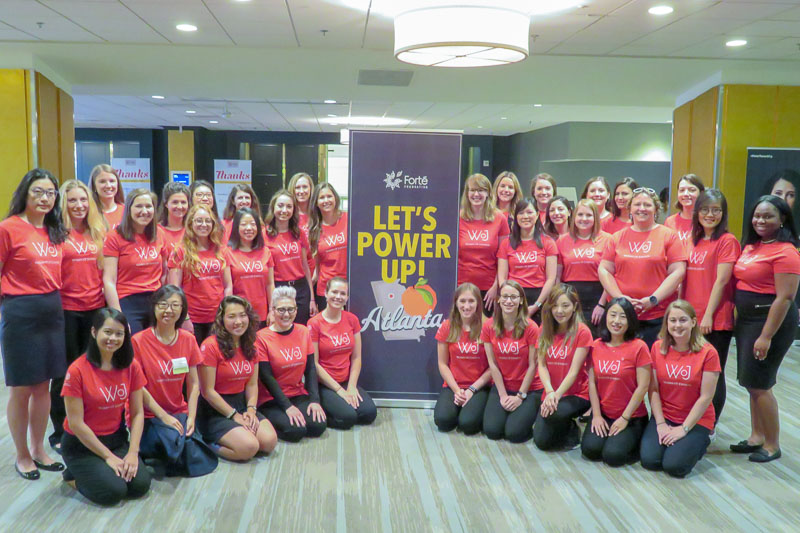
x,y
201,331
531,295
78,331
302,300
649,330
280,420
589,293
486,311
721,341
94,478
136,309
551,432
676,460
469,418
516,426
341,414
614,450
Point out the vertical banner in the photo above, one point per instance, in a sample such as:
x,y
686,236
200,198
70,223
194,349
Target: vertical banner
x,y
404,201
133,173
227,173
763,167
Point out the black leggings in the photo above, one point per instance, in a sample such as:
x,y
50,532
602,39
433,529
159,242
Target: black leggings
x,y
721,341
77,329
551,432
136,308
676,460
469,418
649,329
321,302
589,294
531,295
614,450
94,478
201,331
515,426
284,428
302,300
341,414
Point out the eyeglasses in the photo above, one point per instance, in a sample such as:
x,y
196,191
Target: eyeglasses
x,y
716,211
470,191
203,195
644,189
38,192
285,310
163,306
511,297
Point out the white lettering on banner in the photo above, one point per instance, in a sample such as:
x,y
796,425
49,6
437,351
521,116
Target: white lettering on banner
x,y
609,367
241,367
679,371
333,240
83,248
114,392
478,235
211,266
147,252
166,367
251,266
289,248
527,257
395,178
697,258
399,320
640,247
291,353
580,253
508,347
468,347
557,352
45,249
340,340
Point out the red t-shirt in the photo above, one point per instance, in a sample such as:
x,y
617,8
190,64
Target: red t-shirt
x,y
615,374
287,356
680,376
104,393
467,359
613,224
336,342
701,272
683,226
559,361
114,218
478,242
81,277
640,260
205,288
158,363
139,263
287,254
232,374
527,263
581,257
756,268
227,229
173,238
332,253
31,265
512,354
250,273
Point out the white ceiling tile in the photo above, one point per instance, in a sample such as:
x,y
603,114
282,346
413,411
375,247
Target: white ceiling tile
x,y
95,15
164,16
25,15
744,10
715,47
771,28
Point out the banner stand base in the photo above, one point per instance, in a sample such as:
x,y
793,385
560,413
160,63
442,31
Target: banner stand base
x,y
406,404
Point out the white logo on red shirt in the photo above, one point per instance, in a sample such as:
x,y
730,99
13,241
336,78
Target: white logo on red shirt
x,y
580,253
291,353
609,367
640,247
679,371
557,352
114,392
340,340
333,240
45,249
468,347
166,367
684,235
747,259
527,257
251,266
508,347
83,248
148,252
211,266
478,235
697,258
289,248
241,367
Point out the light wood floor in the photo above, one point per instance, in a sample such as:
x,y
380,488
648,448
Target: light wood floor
x,y
402,475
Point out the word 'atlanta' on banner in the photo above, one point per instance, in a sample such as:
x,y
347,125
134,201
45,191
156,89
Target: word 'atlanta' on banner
x,y
404,189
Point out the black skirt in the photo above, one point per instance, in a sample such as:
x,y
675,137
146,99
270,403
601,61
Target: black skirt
x,y
32,339
212,425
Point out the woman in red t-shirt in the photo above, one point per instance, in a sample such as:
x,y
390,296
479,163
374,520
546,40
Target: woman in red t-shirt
x,y
481,230
327,236
289,248
227,410
252,267
336,337
134,259
107,194
509,339
81,283
644,263
767,275
619,376
98,387
708,285
202,267
32,323
506,192
558,217
463,365
598,191
301,187
685,373
580,252
241,196
202,193
291,397
528,257
543,188
689,188
620,209
561,350
172,213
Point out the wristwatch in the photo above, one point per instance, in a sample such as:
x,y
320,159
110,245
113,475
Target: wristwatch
x,y
653,300
685,428
522,395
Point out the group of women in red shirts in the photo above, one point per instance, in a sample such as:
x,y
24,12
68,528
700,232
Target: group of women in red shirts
x,y
622,307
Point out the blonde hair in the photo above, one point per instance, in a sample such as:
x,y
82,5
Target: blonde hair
x,y
293,184
696,339
456,323
650,193
520,319
95,222
549,327
191,257
478,181
517,189
585,202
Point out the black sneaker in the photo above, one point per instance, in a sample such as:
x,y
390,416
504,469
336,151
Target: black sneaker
x,y
573,439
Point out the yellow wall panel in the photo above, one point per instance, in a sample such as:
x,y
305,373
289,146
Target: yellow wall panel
x,y
181,150
703,136
66,136
681,128
47,119
15,132
787,133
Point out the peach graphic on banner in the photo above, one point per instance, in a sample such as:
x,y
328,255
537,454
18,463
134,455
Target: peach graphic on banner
x,y
419,299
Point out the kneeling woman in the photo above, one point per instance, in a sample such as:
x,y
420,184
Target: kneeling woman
x,y
510,342
287,369
685,372
227,413
619,375
100,459
561,352
463,365
336,337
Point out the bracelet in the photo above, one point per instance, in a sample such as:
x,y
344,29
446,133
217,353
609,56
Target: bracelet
x,y
472,389
660,423
233,413
601,306
625,419
253,407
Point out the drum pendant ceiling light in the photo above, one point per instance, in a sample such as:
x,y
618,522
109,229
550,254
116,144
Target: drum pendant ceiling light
x,y
461,34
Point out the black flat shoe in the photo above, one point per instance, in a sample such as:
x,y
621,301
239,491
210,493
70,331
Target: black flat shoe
x,y
761,456
55,466
33,475
745,447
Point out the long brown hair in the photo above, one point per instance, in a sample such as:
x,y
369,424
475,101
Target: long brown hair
x,y
456,323
696,339
271,223
517,189
224,338
119,197
315,214
191,258
549,326
521,318
230,207
125,229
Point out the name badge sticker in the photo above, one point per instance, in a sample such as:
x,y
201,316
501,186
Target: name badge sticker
x,y
180,366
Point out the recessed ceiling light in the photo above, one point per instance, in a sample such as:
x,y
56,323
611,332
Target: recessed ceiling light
x,y
660,10
736,42
331,115
330,101
186,27
480,127
190,111
537,105
213,121
157,97
503,118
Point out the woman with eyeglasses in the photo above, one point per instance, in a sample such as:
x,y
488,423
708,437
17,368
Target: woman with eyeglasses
x,y
481,230
644,263
252,267
172,213
107,194
543,188
202,268
506,192
709,285
288,386
620,213
598,191
689,188
241,196
202,192
32,323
